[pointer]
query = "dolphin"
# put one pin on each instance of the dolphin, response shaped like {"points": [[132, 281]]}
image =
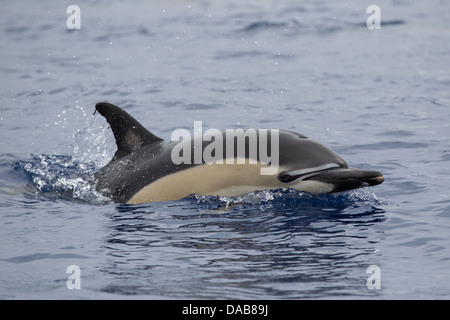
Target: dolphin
{"points": [[143, 168]]}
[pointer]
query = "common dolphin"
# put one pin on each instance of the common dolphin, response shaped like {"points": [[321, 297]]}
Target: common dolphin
{"points": [[143, 168]]}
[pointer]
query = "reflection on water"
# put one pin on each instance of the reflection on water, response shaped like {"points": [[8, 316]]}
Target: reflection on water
{"points": [[293, 246]]}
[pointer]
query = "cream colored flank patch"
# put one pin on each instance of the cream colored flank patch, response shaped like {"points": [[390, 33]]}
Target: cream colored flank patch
{"points": [[219, 180]]}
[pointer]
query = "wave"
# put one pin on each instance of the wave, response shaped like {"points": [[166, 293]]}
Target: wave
{"points": [[271, 25], [295, 27]]}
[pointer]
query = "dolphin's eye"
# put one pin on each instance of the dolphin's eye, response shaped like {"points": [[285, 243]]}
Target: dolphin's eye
{"points": [[284, 177]]}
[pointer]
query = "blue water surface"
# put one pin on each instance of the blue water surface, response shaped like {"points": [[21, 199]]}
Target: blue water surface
{"points": [[380, 98]]}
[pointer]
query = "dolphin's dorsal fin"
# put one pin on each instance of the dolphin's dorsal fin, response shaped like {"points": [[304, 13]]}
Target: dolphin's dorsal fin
{"points": [[130, 135]]}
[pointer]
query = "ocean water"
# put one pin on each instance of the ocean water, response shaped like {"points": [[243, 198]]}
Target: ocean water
{"points": [[380, 98]]}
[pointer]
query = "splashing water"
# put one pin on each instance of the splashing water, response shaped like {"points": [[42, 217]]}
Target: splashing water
{"points": [[70, 177], [289, 197], [58, 176]]}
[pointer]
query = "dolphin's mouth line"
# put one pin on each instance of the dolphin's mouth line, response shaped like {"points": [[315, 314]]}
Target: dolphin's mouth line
{"points": [[348, 178], [345, 174], [341, 178]]}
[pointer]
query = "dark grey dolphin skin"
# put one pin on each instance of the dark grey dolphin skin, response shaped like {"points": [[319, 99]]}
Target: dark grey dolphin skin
{"points": [[142, 169]]}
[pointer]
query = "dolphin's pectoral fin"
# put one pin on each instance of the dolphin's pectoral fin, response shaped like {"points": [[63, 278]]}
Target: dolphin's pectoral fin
{"points": [[130, 135]]}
